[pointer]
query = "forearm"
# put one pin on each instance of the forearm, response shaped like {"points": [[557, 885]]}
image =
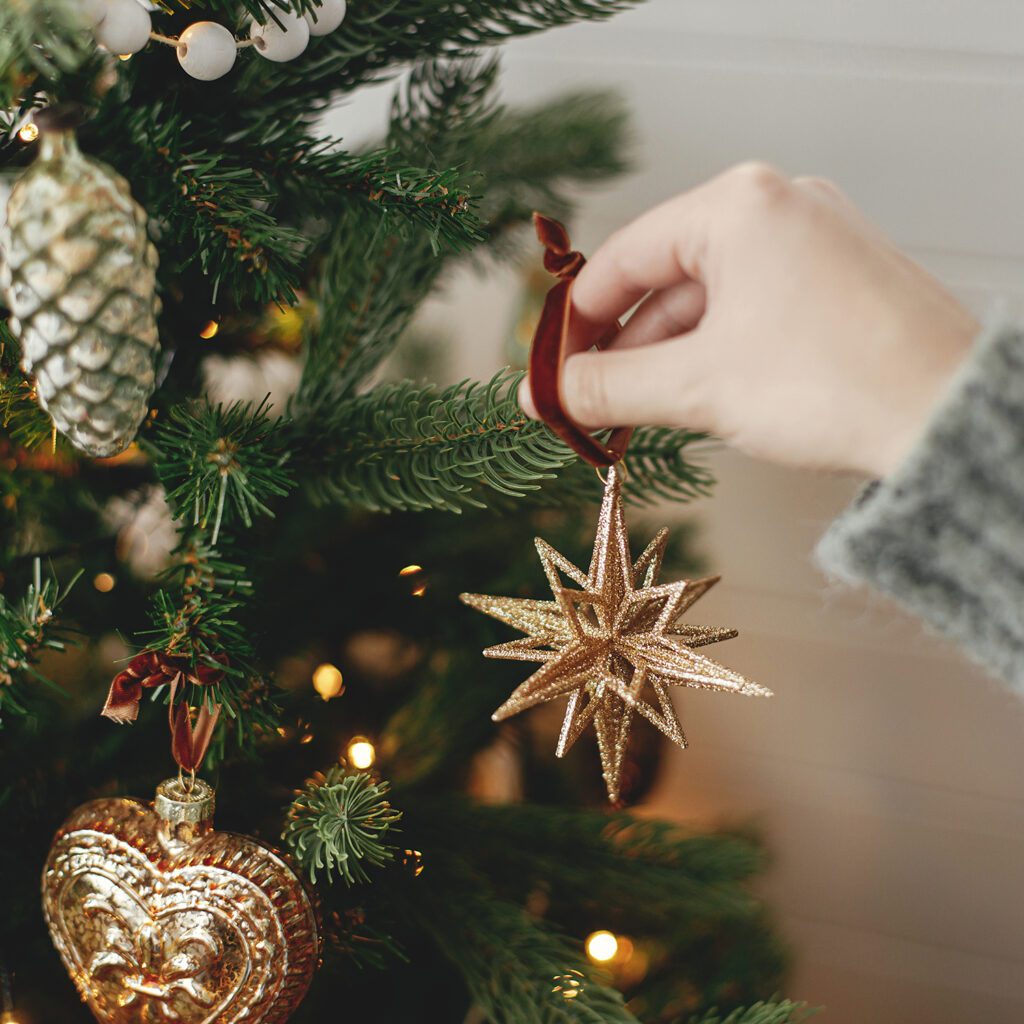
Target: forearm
{"points": [[944, 534]]}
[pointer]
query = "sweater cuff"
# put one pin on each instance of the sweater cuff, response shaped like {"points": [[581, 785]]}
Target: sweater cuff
{"points": [[944, 535]]}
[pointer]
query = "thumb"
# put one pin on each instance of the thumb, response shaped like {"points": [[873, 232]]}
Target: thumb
{"points": [[652, 385]]}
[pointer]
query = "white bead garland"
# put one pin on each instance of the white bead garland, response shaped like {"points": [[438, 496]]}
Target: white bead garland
{"points": [[207, 50], [329, 14], [124, 26], [281, 40]]}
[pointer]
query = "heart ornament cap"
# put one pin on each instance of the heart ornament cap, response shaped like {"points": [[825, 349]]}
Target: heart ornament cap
{"points": [[158, 917]]}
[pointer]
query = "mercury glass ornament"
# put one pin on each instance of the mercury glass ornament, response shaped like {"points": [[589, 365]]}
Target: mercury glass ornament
{"points": [[78, 272], [158, 917]]}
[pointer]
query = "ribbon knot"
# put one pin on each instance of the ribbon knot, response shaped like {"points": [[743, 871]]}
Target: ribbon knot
{"points": [[155, 668], [560, 259]]}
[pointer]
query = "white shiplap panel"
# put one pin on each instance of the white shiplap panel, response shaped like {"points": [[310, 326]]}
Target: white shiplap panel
{"points": [[935, 162], [949, 26]]}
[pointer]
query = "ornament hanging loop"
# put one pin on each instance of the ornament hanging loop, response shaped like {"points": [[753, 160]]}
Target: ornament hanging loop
{"points": [[550, 349]]}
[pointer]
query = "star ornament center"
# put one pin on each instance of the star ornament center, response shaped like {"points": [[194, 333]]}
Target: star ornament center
{"points": [[611, 641]]}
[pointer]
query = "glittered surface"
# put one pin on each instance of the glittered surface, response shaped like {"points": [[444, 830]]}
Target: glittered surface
{"points": [[611, 641]]}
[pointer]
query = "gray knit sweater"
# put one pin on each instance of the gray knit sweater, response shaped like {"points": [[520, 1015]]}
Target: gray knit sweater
{"points": [[944, 535]]}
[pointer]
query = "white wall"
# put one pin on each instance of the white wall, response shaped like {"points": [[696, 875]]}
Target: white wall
{"points": [[888, 775]]}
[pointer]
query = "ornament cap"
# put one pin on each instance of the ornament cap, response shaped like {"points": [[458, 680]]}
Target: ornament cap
{"points": [[185, 807], [61, 117]]}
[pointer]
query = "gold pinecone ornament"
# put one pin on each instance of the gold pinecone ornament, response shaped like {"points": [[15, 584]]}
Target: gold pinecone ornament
{"points": [[79, 276]]}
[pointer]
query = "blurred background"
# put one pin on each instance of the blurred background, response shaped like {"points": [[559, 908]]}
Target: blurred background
{"points": [[888, 774]]}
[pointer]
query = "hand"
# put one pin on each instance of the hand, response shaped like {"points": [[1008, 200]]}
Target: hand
{"points": [[775, 317]]}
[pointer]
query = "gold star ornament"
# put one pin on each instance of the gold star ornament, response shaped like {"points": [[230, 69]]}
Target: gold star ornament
{"points": [[612, 642]]}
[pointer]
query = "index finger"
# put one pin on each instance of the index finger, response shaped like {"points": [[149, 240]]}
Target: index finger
{"points": [[662, 247]]}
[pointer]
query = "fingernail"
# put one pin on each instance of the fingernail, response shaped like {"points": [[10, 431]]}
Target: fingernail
{"points": [[526, 399]]}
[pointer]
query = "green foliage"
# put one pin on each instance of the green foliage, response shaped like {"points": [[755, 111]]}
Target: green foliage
{"points": [[406, 446], [39, 39], [20, 415], [28, 627], [761, 1013], [380, 35], [339, 823], [217, 460], [517, 969]]}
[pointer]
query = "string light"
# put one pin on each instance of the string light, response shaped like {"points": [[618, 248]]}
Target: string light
{"points": [[328, 681], [210, 330], [361, 753], [411, 570], [602, 947], [28, 132], [104, 582]]}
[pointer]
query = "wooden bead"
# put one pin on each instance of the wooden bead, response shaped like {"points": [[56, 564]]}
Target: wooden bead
{"points": [[326, 16], [280, 42], [124, 27], [207, 50]]}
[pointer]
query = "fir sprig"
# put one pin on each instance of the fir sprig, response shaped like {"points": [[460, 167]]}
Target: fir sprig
{"points": [[339, 823], [517, 969], [407, 446], [379, 35], [784, 1012], [221, 463], [28, 627], [198, 615], [39, 39], [20, 414]]}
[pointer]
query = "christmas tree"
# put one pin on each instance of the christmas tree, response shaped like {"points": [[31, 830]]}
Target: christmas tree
{"points": [[291, 567]]}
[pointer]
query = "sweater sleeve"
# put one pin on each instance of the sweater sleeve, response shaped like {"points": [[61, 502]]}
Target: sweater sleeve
{"points": [[944, 535]]}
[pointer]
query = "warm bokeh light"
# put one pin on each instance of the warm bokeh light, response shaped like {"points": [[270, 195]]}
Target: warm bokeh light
{"points": [[210, 330], [420, 590], [104, 582], [29, 132], [411, 570], [361, 753], [602, 947], [328, 681]]}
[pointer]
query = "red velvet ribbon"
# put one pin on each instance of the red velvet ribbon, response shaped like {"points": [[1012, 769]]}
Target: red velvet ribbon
{"points": [[550, 350], [189, 743]]}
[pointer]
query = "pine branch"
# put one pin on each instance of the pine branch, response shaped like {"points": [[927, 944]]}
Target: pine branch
{"points": [[379, 35], [221, 463], [445, 113], [368, 296], [338, 824], [21, 416], [578, 139], [761, 1013], [197, 616], [28, 627], [215, 207], [518, 970], [436, 201], [408, 447], [40, 40]]}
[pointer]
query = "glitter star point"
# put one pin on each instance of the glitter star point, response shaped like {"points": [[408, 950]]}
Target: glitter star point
{"points": [[611, 641]]}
